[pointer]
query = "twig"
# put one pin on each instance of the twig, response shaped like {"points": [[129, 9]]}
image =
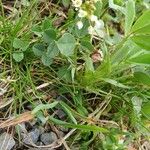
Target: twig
{"points": [[39, 87]]}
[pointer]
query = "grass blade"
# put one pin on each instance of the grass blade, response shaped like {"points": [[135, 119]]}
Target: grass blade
{"points": [[77, 126], [44, 106]]}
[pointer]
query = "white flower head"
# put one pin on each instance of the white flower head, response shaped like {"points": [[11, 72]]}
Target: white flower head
{"points": [[91, 30], [77, 3], [96, 32], [93, 18], [99, 24], [82, 13], [76, 9], [79, 25], [100, 33]]}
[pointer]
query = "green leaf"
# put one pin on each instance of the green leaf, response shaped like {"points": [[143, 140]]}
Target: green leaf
{"points": [[133, 49], [19, 44], [38, 49], [115, 83], [142, 22], [81, 33], [70, 115], [104, 69], [46, 60], [49, 35], [86, 45], [43, 107], [18, 56], [66, 3], [98, 10], [47, 24], [142, 77], [129, 15], [66, 44], [41, 117], [37, 30], [77, 126], [146, 110], [79, 115], [120, 54], [52, 50], [145, 30], [64, 73], [82, 110], [141, 59], [142, 40], [116, 7], [89, 64]]}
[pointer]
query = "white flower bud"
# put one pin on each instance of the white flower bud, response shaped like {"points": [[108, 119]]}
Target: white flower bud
{"points": [[93, 18], [99, 24], [79, 25], [91, 30], [96, 32]]}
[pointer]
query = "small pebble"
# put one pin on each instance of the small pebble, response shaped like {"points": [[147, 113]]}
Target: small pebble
{"points": [[6, 141], [48, 138], [31, 137], [60, 113], [42, 130], [39, 143]]}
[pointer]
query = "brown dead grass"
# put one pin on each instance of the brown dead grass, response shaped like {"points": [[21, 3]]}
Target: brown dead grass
{"points": [[27, 116]]}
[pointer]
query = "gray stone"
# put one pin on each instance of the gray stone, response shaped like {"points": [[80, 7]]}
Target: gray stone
{"points": [[42, 130], [60, 113], [39, 144], [40, 148], [6, 141], [48, 138], [31, 137]]}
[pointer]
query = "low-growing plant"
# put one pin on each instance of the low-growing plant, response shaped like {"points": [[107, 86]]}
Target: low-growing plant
{"points": [[98, 58], [94, 61]]}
